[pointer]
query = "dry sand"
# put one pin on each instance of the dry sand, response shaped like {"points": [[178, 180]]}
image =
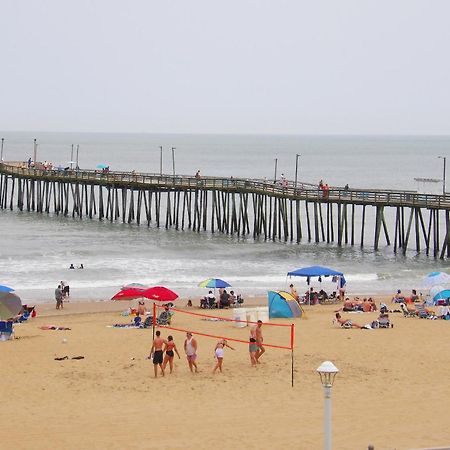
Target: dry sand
{"points": [[391, 390]]}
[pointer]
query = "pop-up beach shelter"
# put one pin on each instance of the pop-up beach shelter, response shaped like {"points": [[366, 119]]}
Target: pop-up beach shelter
{"points": [[319, 272], [315, 271], [282, 304]]}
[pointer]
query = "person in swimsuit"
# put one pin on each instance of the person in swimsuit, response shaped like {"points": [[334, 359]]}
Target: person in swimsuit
{"points": [[190, 347], [256, 333], [345, 322], [170, 349], [156, 353], [218, 354], [253, 348]]}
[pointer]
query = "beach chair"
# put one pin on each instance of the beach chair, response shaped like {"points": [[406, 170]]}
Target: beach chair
{"points": [[383, 321], [422, 313], [6, 330], [407, 312], [164, 318]]}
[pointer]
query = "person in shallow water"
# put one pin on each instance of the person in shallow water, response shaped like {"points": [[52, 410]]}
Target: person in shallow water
{"points": [[72, 266]]}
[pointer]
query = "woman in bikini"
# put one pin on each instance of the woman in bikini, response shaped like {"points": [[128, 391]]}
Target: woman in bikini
{"points": [[170, 350], [219, 353]]}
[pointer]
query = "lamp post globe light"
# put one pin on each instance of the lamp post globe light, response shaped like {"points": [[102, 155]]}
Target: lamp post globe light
{"points": [[327, 371]]}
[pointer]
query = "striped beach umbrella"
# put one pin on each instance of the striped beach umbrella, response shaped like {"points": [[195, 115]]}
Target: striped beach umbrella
{"points": [[214, 283]]}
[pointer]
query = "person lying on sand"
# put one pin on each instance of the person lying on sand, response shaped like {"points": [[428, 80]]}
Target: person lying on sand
{"points": [[53, 327], [345, 322]]}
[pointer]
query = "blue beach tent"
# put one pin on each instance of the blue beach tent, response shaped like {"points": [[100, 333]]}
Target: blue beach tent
{"points": [[282, 304]]}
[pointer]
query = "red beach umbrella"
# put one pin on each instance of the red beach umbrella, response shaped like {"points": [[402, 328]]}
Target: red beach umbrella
{"points": [[128, 294], [159, 294]]}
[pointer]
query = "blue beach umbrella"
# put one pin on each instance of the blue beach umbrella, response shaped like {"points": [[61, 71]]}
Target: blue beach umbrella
{"points": [[214, 283], [5, 288], [102, 166]]}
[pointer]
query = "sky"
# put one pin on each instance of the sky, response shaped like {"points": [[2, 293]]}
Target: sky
{"points": [[244, 66]]}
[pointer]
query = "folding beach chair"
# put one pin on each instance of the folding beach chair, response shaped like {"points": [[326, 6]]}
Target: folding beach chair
{"points": [[6, 330], [422, 312]]}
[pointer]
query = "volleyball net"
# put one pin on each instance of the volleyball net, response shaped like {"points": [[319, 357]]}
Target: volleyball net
{"points": [[281, 335]]}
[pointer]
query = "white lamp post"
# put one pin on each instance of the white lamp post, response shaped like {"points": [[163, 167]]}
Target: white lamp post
{"points": [[327, 371], [443, 175], [296, 169]]}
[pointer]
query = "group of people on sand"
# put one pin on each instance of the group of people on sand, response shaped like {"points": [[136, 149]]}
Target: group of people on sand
{"points": [[365, 305], [401, 298], [163, 351]]}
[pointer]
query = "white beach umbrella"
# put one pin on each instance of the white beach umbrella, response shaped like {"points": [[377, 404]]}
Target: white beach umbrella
{"points": [[434, 290], [435, 278]]}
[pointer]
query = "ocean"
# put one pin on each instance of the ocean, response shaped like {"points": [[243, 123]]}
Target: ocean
{"points": [[37, 250]]}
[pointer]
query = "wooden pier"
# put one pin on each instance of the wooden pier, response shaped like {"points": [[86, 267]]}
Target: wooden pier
{"points": [[403, 220]]}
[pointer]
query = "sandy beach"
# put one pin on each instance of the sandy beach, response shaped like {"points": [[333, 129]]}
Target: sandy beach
{"points": [[391, 390]]}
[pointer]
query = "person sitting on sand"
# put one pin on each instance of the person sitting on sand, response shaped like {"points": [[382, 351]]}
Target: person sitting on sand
{"points": [[366, 306], [346, 323], [373, 305], [398, 297]]}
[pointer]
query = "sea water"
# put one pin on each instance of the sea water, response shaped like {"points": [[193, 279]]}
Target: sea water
{"points": [[36, 250]]}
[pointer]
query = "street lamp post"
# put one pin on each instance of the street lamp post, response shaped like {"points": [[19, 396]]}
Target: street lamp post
{"points": [[327, 371], [71, 158], [1, 154], [275, 174], [443, 175], [296, 169], [34, 152], [173, 160], [77, 167], [160, 159]]}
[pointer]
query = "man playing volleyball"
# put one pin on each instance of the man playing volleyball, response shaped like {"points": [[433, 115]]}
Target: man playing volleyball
{"points": [[157, 353], [256, 333], [190, 347]]}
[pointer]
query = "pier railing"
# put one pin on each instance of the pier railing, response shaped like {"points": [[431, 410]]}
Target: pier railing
{"points": [[300, 191]]}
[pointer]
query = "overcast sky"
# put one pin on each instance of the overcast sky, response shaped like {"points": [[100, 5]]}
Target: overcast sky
{"points": [[244, 66]]}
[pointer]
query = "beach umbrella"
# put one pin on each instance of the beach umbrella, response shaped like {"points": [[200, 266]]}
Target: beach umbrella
{"points": [[434, 278], [10, 305], [443, 295], [160, 294], [4, 288], [102, 166], [214, 283], [128, 294], [435, 290]]}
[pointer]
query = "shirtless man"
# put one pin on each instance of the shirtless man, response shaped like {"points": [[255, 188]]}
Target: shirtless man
{"points": [[156, 353], [256, 333]]}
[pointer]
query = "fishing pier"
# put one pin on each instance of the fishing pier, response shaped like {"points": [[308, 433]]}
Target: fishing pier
{"points": [[261, 209]]}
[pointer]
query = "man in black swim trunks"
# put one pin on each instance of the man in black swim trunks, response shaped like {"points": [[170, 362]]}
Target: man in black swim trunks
{"points": [[156, 353]]}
